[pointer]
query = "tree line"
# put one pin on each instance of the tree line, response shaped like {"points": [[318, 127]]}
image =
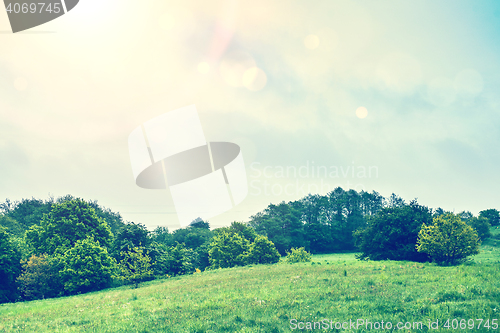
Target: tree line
{"points": [[68, 246]]}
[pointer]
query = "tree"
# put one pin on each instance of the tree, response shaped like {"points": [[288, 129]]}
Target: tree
{"points": [[135, 266], [242, 229], [281, 224], [228, 250], [173, 260], [39, 279], [27, 212], [129, 236], [11, 226], [262, 251], [392, 233], [66, 224], [481, 225], [449, 240], [86, 267], [10, 267], [492, 215]]}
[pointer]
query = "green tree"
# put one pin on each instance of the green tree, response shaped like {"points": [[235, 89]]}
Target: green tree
{"points": [[12, 226], [129, 236], [262, 251], [392, 233], [449, 240], [10, 267], [86, 267], [173, 260], [492, 215], [481, 225], [39, 279], [228, 250], [298, 255], [66, 224], [135, 267]]}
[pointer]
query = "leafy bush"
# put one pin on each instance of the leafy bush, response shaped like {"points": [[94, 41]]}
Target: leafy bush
{"points": [[262, 251], [228, 250], [86, 267], [173, 260], [449, 240], [135, 266], [298, 255], [392, 233], [39, 279]]}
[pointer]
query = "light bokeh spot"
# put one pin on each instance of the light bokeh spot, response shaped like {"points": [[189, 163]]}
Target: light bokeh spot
{"points": [[361, 112], [311, 42], [203, 67], [20, 83], [254, 79], [234, 66]]}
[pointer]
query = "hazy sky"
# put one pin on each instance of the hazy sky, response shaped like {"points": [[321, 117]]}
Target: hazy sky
{"points": [[390, 96]]}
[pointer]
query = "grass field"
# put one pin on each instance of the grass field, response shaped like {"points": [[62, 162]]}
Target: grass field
{"points": [[266, 298]]}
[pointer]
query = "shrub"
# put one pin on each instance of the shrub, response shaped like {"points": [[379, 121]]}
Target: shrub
{"points": [[86, 267], [39, 279], [228, 250], [392, 233], [262, 251], [449, 240], [298, 255], [173, 260], [135, 267]]}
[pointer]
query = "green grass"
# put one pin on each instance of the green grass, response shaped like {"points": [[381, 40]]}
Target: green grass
{"points": [[264, 298]]}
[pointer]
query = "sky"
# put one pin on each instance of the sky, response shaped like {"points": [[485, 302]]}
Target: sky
{"points": [[396, 97]]}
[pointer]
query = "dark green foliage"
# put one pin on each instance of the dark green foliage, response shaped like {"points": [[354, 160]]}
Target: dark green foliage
{"points": [[135, 267], [66, 224], [200, 224], [173, 260], [298, 255], [321, 224], [161, 235], [86, 267], [392, 233], [11, 226], [481, 225], [10, 267], [492, 215], [202, 257], [27, 212], [39, 278], [281, 224], [262, 251], [228, 250], [129, 236], [192, 237]]}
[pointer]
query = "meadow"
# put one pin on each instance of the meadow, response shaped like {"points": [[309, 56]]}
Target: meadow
{"points": [[276, 298]]}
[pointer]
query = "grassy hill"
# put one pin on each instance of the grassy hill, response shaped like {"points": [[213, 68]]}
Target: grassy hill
{"points": [[266, 298]]}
